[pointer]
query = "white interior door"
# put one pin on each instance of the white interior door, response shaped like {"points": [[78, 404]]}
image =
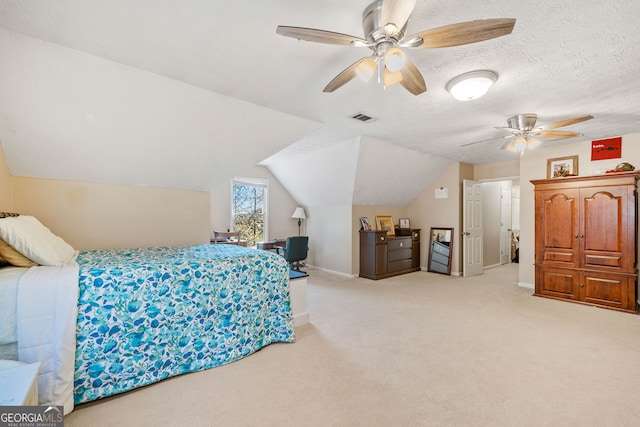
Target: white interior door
{"points": [[505, 225], [471, 228]]}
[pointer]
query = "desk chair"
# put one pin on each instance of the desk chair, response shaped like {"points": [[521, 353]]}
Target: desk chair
{"points": [[296, 250], [228, 237]]}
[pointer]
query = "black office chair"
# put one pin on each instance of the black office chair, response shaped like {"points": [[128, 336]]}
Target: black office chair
{"points": [[296, 250]]}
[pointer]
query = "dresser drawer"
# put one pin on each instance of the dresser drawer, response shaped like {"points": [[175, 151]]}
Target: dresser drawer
{"points": [[399, 265], [399, 243], [399, 254]]}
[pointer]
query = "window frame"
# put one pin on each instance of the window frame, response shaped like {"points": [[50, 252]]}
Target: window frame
{"points": [[256, 182]]}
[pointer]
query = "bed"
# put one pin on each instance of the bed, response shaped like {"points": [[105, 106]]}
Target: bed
{"points": [[109, 321]]}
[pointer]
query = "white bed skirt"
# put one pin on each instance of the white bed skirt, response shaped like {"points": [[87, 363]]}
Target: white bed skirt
{"points": [[46, 322]]}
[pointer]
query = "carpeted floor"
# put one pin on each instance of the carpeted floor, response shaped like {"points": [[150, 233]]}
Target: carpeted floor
{"points": [[421, 349]]}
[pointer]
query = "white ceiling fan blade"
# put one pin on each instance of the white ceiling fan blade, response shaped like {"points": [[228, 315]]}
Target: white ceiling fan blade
{"points": [[320, 36], [397, 12]]}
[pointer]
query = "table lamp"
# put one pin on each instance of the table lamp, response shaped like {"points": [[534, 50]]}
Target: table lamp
{"points": [[299, 215]]}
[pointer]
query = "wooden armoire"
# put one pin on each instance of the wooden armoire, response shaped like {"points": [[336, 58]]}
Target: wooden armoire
{"points": [[586, 242]]}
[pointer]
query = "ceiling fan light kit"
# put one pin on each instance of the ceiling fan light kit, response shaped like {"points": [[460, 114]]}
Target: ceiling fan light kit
{"points": [[520, 144], [471, 85], [384, 23]]}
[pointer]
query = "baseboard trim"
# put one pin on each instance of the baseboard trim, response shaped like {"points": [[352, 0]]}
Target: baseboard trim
{"points": [[492, 266], [301, 319], [526, 285], [337, 273]]}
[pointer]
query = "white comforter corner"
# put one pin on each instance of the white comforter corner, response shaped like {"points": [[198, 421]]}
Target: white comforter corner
{"points": [[47, 315]]}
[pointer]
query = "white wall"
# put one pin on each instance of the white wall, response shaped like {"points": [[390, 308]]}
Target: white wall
{"points": [[69, 115], [6, 204], [330, 243], [426, 211], [533, 165]]}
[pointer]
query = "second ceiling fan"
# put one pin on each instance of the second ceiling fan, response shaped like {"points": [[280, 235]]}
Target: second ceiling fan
{"points": [[384, 23], [522, 129]]}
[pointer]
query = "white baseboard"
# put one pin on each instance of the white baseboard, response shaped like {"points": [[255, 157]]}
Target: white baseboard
{"points": [[301, 319], [526, 285], [492, 266], [337, 273]]}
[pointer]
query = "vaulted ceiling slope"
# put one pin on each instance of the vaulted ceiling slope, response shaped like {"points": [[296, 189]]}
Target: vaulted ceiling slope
{"points": [[386, 175], [69, 115], [187, 93]]}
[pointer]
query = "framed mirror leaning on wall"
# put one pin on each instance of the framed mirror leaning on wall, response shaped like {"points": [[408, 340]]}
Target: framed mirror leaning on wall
{"points": [[440, 243]]}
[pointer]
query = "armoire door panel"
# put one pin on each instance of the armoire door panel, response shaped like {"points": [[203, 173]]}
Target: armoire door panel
{"points": [[562, 257], [599, 260], [559, 228], [602, 232], [557, 283], [606, 289]]}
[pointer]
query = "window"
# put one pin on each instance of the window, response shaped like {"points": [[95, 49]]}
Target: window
{"points": [[249, 209]]}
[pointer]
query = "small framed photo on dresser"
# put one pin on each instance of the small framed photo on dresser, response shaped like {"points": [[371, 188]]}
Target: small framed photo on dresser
{"points": [[364, 223], [404, 223]]}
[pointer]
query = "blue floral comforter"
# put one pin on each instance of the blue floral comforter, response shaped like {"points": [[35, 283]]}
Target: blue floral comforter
{"points": [[150, 313]]}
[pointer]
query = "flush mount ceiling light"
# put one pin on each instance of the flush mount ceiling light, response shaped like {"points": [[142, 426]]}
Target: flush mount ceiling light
{"points": [[471, 85]]}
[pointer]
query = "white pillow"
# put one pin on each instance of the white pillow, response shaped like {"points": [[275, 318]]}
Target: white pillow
{"points": [[35, 241]]}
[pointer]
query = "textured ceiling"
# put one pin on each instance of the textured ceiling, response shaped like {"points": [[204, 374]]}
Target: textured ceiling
{"points": [[564, 59]]}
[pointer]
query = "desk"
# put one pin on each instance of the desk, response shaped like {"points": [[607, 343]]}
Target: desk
{"points": [[230, 242], [271, 244]]}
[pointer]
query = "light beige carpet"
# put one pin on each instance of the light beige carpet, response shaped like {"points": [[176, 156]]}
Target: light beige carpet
{"points": [[421, 349]]}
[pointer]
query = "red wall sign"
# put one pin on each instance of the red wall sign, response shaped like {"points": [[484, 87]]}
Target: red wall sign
{"points": [[606, 149]]}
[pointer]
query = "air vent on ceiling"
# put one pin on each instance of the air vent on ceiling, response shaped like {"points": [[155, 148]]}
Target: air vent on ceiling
{"points": [[363, 118]]}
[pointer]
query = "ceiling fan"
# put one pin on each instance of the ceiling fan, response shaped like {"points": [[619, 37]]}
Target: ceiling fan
{"points": [[522, 130], [384, 23]]}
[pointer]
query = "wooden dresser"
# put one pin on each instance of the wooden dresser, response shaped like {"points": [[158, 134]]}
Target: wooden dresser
{"points": [[384, 256], [586, 239]]}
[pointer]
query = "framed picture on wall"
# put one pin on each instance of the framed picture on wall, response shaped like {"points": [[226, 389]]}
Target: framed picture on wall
{"points": [[562, 166], [385, 223]]}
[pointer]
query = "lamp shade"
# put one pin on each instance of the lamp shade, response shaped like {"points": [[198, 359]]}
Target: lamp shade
{"points": [[472, 85], [299, 213], [394, 59], [391, 78], [366, 69]]}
